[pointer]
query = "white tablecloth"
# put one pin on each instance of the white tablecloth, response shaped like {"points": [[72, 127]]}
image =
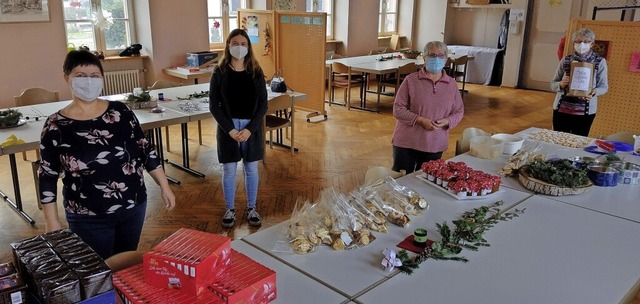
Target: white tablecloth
{"points": [[480, 69]]}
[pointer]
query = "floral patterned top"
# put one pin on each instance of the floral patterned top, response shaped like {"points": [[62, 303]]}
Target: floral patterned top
{"points": [[100, 161]]}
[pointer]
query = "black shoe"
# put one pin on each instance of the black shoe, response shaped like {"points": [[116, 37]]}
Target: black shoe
{"points": [[253, 217], [229, 218]]}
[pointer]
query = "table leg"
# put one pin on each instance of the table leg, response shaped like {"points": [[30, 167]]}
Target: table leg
{"points": [[160, 151], [185, 153], [17, 205]]}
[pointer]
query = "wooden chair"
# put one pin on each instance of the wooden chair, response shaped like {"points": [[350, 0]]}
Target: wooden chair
{"points": [[379, 51], [396, 78], [394, 43], [622, 136], [163, 84], [280, 115], [374, 174], [33, 96], [464, 143], [124, 260], [343, 77], [459, 70]]}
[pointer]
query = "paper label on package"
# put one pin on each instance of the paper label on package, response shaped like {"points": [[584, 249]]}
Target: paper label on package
{"points": [[16, 298], [580, 79], [346, 238]]}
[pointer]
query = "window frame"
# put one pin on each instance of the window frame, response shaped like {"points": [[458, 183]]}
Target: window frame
{"points": [[330, 16], [382, 14], [225, 9], [99, 36]]}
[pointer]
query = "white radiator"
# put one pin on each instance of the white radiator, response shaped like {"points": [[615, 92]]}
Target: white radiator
{"points": [[119, 82]]}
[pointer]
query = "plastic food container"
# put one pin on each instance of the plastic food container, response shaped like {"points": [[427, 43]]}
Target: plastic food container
{"points": [[486, 147], [629, 173], [512, 143], [604, 176]]}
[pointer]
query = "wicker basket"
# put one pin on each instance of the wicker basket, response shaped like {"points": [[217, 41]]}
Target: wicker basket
{"points": [[142, 104], [539, 186], [477, 2]]}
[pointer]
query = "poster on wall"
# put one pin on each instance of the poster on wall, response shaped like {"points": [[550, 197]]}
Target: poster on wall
{"points": [[601, 47], [24, 11], [253, 29], [634, 65]]}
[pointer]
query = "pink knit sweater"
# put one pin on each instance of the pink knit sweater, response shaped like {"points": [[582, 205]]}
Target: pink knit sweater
{"points": [[419, 96]]}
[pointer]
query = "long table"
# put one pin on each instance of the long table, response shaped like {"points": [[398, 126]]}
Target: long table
{"points": [[569, 249], [378, 65], [553, 253], [354, 272]]}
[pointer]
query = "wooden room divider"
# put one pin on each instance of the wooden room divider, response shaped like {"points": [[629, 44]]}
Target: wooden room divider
{"points": [[619, 109], [295, 43]]}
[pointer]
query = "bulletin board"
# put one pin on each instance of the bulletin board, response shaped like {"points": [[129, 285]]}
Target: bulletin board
{"points": [[293, 42], [619, 109], [301, 49], [260, 26]]}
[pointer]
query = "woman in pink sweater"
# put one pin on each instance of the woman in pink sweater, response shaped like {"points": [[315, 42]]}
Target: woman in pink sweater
{"points": [[427, 105]]}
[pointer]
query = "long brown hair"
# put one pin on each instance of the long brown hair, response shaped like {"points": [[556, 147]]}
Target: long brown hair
{"points": [[251, 65]]}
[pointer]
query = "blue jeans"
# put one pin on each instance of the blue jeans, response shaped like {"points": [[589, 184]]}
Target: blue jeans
{"points": [[109, 234], [251, 178]]}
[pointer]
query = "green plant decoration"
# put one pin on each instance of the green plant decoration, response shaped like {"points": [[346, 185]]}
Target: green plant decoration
{"points": [[467, 233]]}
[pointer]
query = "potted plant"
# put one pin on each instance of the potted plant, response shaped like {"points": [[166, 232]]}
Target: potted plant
{"points": [[9, 118], [140, 99], [411, 54]]}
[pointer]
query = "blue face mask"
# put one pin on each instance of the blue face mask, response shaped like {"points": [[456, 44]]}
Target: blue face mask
{"points": [[435, 65]]}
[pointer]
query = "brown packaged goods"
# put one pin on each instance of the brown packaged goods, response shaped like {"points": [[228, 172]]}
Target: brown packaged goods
{"points": [[63, 288], [12, 289], [7, 269], [581, 79]]}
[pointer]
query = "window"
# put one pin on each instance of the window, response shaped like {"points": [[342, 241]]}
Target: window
{"points": [[388, 17], [324, 6], [223, 18], [103, 25]]}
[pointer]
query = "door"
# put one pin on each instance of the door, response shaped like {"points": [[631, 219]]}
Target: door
{"points": [[547, 24]]}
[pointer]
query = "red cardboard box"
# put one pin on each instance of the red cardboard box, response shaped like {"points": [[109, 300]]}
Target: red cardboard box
{"points": [[132, 289], [187, 260], [245, 281]]}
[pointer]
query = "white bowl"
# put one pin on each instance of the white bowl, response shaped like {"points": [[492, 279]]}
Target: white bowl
{"points": [[512, 143]]}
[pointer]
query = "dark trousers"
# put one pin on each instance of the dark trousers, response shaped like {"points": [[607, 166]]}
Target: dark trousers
{"points": [[574, 124], [109, 234], [411, 160]]}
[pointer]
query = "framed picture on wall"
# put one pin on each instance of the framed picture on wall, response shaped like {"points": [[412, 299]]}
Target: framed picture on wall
{"points": [[24, 11]]}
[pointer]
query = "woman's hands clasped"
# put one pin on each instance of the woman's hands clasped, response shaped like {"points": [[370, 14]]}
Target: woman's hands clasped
{"points": [[432, 125], [240, 136]]}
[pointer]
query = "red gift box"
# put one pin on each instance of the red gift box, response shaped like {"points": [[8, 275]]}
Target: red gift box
{"points": [[245, 281], [132, 289], [187, 260]]}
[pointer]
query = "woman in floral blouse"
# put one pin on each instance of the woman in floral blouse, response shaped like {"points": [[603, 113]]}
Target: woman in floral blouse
{"points": [[99, 150]]}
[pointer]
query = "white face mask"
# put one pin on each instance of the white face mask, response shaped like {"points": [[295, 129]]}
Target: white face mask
{"points": [[86, 88], [238, 51], [582, 47]]}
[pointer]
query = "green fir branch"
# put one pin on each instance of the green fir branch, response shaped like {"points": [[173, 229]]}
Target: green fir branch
{"points": [[467, 233]]}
